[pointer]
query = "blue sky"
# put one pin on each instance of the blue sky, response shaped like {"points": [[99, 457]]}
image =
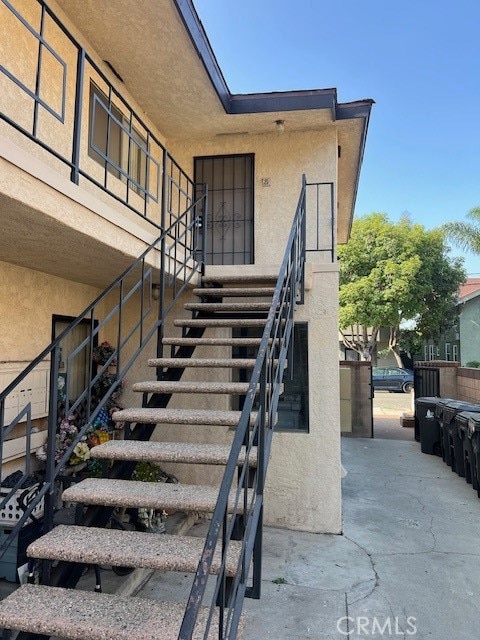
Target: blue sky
{"points": [[419, 60]]}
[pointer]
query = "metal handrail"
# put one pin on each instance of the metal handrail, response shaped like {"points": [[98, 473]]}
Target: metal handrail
{"points": [[137, 280], [246, 514]]}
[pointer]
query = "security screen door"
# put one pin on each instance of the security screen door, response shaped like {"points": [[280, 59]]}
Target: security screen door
{"points": [[229, 225]]}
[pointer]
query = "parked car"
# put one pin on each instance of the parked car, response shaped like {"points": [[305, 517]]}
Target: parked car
{"points": [[392, 379]]}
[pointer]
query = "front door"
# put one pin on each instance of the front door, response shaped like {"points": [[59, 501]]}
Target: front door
{"points": [[229, 226]]}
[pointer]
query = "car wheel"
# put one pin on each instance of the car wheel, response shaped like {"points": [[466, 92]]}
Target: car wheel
{"points": [[407, 387]]}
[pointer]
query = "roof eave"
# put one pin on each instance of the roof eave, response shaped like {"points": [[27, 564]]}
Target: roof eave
{"points": [[261, 102]]}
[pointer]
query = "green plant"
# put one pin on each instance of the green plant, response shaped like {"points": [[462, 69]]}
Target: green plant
{"points": [[474, 364], [151, 472], [279, 581]]}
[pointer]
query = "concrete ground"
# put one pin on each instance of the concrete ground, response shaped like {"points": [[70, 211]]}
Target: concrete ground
{"points": [[406, 566], [408, 563], [387, 409]]}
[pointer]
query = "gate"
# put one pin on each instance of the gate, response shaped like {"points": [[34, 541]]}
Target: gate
{"points": [[426, 382]]}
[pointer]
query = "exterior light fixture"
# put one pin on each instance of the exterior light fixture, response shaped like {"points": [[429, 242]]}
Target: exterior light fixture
{"points": [[280, 126]]}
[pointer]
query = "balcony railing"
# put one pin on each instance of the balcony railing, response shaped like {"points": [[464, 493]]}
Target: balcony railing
{"points": [[54, 93]]}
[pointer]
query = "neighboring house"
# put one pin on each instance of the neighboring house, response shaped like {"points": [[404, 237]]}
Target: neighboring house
{"points": [[445, 347], [112, 119], [462, 343], [469, 322]]}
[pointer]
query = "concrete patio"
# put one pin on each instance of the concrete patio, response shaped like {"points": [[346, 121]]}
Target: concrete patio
{"points": [[408, 564]]}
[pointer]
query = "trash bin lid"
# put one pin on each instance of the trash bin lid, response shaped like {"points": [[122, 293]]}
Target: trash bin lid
{"points": [[453, 407], [441, 402], [473, 421], [463, 416], [427, 400]]}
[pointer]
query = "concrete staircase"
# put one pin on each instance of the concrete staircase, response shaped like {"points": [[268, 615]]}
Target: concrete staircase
{"points": [[79, 615]]}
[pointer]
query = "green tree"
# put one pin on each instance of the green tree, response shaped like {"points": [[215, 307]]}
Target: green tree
{"points": [[465, 235], [393, 275]]}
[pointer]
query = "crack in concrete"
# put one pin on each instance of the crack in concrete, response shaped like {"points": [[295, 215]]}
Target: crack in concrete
{"points": [[423, 507], [373, 568]]}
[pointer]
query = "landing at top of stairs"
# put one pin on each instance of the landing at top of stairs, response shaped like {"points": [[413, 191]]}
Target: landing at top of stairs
{"points": [[245, 273]]}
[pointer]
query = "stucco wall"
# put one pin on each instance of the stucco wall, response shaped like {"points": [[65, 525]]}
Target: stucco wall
{"points": [[280, 158], [303, 483], [27, 301], [303, 490]]}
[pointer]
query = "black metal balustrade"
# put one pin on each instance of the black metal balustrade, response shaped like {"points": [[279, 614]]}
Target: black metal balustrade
{"points": [[321, 223], [245, 522], [132, 310], [71, 110]]}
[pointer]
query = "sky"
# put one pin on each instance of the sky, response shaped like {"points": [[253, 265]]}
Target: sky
{"points": [[418, 59]]}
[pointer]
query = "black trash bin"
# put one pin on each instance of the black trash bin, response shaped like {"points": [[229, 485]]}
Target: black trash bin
{"points": [[427, 425], [474, 438], [463, 429], [441, 402], [453, 444]]}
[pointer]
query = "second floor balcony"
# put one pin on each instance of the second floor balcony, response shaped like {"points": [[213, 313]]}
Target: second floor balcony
{"points": [[88, 181]]}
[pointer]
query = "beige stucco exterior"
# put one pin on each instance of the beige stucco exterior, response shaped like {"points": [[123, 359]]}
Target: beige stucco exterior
{"points": [[62, 243]]}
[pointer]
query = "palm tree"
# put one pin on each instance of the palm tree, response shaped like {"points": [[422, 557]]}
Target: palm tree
{"points": [[466, 235]]}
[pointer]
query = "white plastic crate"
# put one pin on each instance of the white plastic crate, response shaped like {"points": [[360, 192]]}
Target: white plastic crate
{"points": [[11, 513]]}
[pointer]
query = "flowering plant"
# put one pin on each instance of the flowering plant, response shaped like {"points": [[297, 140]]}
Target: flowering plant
{"points": [[66, 434], [81, 453]]}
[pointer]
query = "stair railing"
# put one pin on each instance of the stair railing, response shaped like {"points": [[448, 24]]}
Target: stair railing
{"points": [[239, 510], [129, 310]]}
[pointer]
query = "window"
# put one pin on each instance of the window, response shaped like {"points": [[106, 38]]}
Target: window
{"points": [[115, 144], [438, 352], [455, 353], [351, 355], [447, 351], [293, 403], [431, 352], [425, 352]]}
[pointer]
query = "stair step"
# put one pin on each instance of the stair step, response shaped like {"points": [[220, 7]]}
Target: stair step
{"points": [[242, 277], [151, 495], [91, 545], [234, 388], [180, 416], [220, 322], [226, 342], [210, 363], [224, 292], [185, 452], [244, 307], [77, 615]]}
